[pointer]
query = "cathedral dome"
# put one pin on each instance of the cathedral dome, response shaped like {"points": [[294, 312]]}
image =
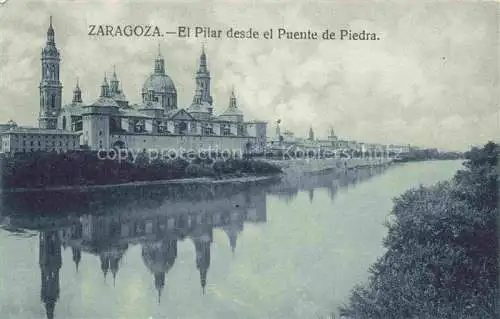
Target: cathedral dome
{"points": [[159, 83]]}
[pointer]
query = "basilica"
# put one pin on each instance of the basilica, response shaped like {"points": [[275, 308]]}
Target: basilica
{"points": [[111, 121]]}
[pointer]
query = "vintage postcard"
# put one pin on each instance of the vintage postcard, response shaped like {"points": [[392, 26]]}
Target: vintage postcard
{"points": [[249, 159]]}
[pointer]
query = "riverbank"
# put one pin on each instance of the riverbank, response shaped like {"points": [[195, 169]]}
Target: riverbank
{"points": [[83, 171], [52, 171], [196, 180], [441, 257]]}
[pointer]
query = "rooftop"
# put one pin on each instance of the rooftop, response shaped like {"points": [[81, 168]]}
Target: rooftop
{"points": [[36, 130], [132, 113], [105, 101]]}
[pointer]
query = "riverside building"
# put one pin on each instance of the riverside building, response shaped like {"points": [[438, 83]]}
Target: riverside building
{"points": [[156, 122], [287, 142], [111, 121]]}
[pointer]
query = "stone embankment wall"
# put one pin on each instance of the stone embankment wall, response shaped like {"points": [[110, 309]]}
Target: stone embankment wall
{"points": [[317, 165]]}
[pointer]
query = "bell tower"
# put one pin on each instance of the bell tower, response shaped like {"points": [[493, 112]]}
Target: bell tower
{"points": [[50, 85], [203, 78]]}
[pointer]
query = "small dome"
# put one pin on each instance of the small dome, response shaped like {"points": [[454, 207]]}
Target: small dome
{"points": [[159, 83], [232, 111]]}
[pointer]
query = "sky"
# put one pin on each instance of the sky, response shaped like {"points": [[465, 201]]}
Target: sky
{"points": [[430, 81]]}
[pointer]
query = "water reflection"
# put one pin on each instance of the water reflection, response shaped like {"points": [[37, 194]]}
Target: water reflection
{"points": [[156, 228], [331, 181], [106, 223], [50, 264]]}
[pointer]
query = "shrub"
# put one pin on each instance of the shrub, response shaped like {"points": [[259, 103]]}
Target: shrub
{"points": [[86, 168], [441, 259], [196, 170]]}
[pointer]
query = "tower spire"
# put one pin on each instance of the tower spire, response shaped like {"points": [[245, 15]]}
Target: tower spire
{"points": [[114, 83], [159, 284], [311, 133], [77, 93], [50, 261], [232, 100], [278, 130], [50, 86], [105, 87], [159, 62], [203, 77], [203, 60], [203, 279], [50, 32], [77, 256]]}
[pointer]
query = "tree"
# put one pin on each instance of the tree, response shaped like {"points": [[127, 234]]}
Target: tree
{"points": [[441, 259]]}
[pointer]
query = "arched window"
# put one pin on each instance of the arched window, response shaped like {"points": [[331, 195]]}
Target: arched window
{"points": [[53, 100], [64, 123]]}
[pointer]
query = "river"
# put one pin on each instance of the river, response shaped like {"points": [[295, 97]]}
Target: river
{"points": [[284, 249]]}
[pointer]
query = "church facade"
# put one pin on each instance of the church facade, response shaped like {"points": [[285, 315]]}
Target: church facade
{"points": [[157, 122]]}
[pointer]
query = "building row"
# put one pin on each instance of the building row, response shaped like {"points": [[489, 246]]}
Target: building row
{"points": [[286, 141], [112, 121]]}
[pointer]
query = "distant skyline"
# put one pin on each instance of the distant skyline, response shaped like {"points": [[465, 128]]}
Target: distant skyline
{"points": [[431, 81]]}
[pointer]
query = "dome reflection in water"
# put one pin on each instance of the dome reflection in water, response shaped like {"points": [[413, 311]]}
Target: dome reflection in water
{"points": [[205, 242]]}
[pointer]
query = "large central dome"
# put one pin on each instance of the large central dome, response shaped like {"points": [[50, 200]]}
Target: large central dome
{"points": [[159, 87], [159, 83]]}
